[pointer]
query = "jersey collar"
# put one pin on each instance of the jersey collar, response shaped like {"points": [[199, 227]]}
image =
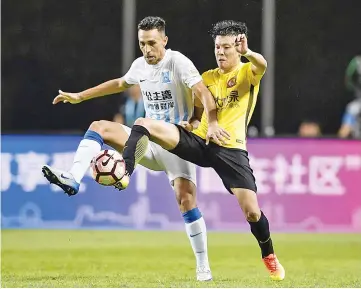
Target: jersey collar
{"points": [[233, 70]]}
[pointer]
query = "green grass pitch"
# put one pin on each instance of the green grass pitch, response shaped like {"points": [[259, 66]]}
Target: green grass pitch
{"points": [[71, 258]]}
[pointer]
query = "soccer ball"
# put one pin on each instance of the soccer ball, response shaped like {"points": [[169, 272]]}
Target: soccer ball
{"points": [[108, 167]]}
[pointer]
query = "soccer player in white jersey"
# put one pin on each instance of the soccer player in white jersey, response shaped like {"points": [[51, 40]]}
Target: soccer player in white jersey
{"points": [[168, 80]]}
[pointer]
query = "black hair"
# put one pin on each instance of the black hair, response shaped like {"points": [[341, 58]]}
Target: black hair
{"points": [[228, 28], [152, 22]]}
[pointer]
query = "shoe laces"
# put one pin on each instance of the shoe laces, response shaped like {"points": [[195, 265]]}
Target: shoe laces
{"points": [[203, 269], [271, 263]]}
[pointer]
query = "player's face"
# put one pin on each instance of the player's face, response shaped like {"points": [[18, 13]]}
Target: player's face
{"points": [[152, 43], [226, 53]]}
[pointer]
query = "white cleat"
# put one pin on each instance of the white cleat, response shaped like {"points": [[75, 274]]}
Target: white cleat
{"points": [[62, 179], [203, 274]]}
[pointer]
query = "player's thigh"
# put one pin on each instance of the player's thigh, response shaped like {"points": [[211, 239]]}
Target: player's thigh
{"points": [[163, 133], [174, 166], [191, 148], [181, 175], [232, 165]]}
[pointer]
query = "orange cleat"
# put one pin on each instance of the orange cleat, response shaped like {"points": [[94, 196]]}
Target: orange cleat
{"points": [[274, 267]]}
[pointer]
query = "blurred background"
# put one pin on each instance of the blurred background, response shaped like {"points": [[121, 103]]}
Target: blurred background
{"points": [[71, 45], [305, 134]]}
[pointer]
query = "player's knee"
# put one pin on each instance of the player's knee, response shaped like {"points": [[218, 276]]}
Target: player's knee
{"points": [[252, 215], [141, 121], [186, 203], [95, 126], [99, 126], [146, 123], [185, 195]]}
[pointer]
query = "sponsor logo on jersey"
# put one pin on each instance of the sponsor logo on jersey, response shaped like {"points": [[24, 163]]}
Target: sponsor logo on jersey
{"points": [[232, 82], [166, 77]]}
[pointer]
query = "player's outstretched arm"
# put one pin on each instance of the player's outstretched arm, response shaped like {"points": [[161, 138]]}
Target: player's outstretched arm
{"points": [[215, 132], [259, 63], [106, 88]]}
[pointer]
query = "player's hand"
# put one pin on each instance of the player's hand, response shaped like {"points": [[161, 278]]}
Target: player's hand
{"points": [[186, 125], [217, 134], [241, 44], [65, 97]]}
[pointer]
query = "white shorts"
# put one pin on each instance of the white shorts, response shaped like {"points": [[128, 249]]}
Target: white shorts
{"points": [[157, 158]]}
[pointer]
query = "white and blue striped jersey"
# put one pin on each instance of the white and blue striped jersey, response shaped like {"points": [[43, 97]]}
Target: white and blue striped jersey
{"points": [[166, 86]]}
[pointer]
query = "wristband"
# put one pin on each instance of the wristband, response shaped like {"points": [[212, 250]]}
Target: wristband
{"points": [[248, 53]]}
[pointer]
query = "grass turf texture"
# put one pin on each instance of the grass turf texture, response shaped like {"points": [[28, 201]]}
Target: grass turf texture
{"points": [[70, 258]]}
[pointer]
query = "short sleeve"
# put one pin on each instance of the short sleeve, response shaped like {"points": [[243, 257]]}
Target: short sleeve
{"points": [[131, 76], [186, 70]]}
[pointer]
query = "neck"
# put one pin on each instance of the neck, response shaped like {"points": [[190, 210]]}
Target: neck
{"points": [[161, 56], [227, 70]]}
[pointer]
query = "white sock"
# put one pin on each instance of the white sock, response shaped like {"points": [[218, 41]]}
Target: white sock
{"points": [[197, 234], [86, 151]]}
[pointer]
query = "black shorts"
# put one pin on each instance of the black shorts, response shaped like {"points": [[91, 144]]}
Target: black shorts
{"points": [[231, 164]]}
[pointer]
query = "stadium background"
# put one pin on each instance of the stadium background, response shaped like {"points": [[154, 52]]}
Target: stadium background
{"points": [[305, 185]]}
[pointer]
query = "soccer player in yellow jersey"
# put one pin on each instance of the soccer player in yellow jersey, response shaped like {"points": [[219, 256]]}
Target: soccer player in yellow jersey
{"points": [[234, 86]]}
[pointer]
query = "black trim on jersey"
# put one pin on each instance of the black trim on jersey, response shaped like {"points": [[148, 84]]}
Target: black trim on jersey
{"points": [[249, 106]]}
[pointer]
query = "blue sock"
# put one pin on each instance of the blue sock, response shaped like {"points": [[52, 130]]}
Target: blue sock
{"points": [[88, 148], [93, 135], [192, 215]]}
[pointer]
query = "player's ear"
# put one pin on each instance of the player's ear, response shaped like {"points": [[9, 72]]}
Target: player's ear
{"points": [[165, 41]]}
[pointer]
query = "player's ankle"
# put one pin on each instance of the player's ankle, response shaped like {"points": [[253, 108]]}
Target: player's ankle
{"points": [[203, 265]]}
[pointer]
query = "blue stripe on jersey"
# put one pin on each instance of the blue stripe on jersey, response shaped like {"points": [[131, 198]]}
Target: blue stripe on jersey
{"points": [[175, 120], [186, 110], [158, 116], [176, 111], [167, 116]]}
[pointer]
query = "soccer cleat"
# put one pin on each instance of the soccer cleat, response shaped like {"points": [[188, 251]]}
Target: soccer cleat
{"points": [[62, 179], [123, 183], [274, 267], [203, 273]]}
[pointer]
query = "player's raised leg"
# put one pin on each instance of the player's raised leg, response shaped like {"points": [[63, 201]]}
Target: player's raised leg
{"points": [[99, 132], [145, 129], [258, 222]]}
